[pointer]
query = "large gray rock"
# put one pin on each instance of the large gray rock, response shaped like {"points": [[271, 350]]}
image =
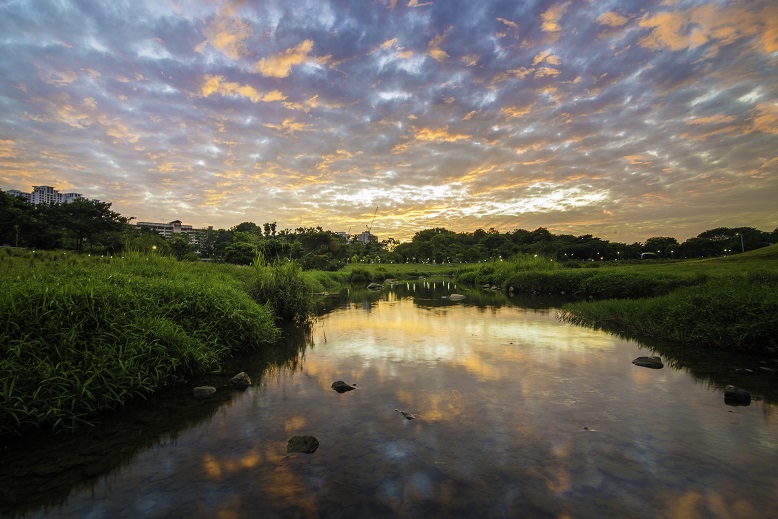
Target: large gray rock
{"points": [[736, 396], [375, 286], [456, 297], [341, 387], [239, 381], [649, 362], [305, 444]]}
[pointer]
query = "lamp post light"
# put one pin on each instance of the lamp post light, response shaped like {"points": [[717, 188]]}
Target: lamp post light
{"points": [[742, 245]]}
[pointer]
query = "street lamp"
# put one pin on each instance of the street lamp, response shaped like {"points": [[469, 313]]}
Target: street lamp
{"points": [[742, 245]]}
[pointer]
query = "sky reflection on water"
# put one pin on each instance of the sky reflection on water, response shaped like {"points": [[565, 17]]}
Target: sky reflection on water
{"points": [[519, 415]]}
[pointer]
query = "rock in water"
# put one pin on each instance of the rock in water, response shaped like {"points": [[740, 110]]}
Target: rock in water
{"points": [[239, 381], [407, 415], [203, 391], [736, 396], [649, 362], [341, 387], [304, 444], [456, 297]]}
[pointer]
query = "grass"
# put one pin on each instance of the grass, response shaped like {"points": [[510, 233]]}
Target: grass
{"points": [[738, 312], [81, 335], [721, 303], [375, 272]]}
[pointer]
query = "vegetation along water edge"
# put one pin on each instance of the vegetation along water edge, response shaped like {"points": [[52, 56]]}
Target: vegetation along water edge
{"points": [[81, 335], [85, 334], [721, 303]]}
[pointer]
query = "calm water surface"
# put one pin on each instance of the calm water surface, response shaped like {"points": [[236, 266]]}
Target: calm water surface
{"points": [[518, 415]]}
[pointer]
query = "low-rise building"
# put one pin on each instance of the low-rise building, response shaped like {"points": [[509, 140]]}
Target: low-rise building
{"points": [[174, 228]]}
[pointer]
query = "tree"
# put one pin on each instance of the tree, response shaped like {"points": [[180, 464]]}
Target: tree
{"points": [[240, 253], [662, 245], [88, 221], [180, 247]]}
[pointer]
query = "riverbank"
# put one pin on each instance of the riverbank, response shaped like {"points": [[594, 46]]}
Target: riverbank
{"points": [[720, 303], [82, 335]]}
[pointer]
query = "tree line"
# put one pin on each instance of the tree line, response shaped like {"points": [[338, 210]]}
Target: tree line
{"points": [[91, 226]]}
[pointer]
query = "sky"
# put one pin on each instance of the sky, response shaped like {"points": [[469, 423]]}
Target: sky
{"points": [[621, 119]]}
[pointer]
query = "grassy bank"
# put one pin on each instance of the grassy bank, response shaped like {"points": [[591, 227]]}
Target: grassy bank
{"points": [[724, 303], [81, 335]]}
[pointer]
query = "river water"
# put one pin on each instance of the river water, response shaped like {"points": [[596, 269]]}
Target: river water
{"points": [[516, 414]]}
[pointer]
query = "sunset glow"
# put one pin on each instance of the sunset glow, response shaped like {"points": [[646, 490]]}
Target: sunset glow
{"points": [[624, 120]]}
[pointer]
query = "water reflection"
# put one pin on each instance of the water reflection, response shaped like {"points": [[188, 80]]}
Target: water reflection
{"points": [[518, 415], [40, 472]]}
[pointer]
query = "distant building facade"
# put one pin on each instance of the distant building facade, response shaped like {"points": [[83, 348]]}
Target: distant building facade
{"points": [[46, 195], [366, 237], [174, 228]]}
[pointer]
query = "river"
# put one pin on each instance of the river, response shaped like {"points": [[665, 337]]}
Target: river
{"points": [[515, 414]]}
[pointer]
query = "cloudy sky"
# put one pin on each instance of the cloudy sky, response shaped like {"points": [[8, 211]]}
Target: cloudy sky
{"points": [[622, 119]]}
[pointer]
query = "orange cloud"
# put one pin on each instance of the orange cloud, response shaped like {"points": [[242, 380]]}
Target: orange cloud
{"points": [[289, 126], [715, 24], [767, 119], [612, 19], [508, 23], [546, 72], [227, 35], [7, 149], [213, 84], [638, 160], [713, 119], [434, 50], [539, 58], [516, 111], [281, 64], [551, 17], [439, 135]]}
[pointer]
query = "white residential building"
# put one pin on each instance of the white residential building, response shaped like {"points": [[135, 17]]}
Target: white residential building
{"points": [[46, 195], [366, 237], [174, 228]]}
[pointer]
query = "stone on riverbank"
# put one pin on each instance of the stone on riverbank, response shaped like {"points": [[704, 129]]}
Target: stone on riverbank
{"points": [[203, 391], [649, 362], [375, 286], [736, 396], [304, 444], [239, 381]]}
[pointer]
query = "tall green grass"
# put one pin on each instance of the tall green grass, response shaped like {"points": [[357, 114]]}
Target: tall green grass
{"points": [[738, 312], [82, 335]]}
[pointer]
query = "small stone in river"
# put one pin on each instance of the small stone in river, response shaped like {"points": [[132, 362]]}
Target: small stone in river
{"points": [[341, 387], [304, 444], [736, 396], [649, 362], [239, 381], [203, 391], [407, 415]]}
